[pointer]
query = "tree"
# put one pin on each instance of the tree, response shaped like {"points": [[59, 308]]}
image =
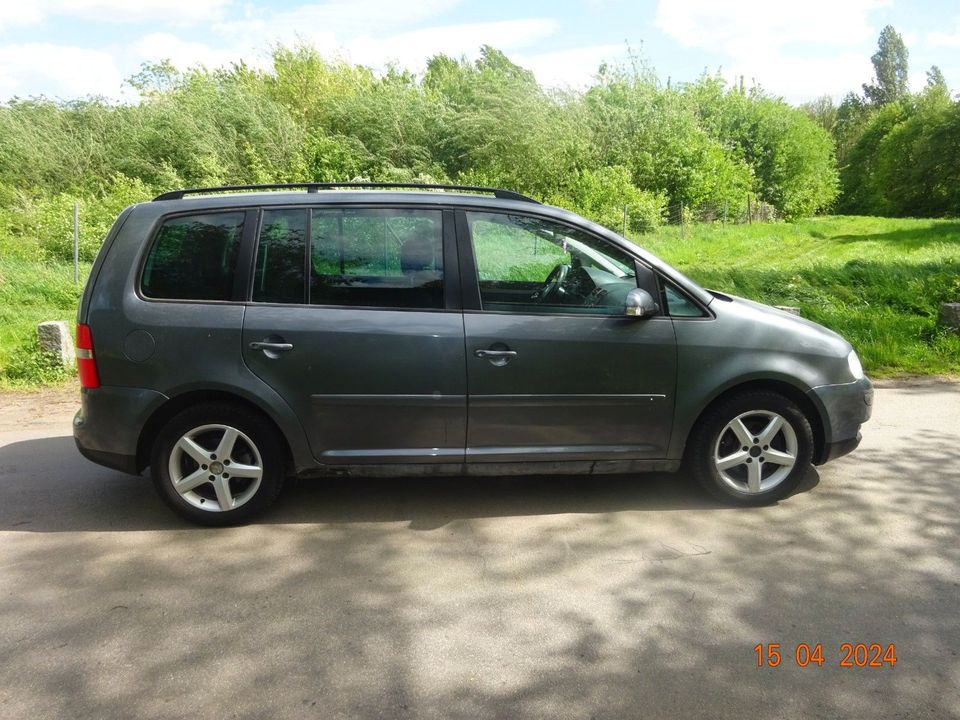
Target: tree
{"points": [[936, 80], [890, 68]]}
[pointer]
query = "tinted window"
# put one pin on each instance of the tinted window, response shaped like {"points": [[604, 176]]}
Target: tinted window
{"points": [[281, 257], [194, 258], [377, 258], [527, 264]]}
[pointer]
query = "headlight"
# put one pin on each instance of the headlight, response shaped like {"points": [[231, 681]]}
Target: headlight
{"points": [[856, 369]]}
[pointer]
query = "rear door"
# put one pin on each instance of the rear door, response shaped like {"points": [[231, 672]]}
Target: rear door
{"points": [[353, 320], [555, 370]]}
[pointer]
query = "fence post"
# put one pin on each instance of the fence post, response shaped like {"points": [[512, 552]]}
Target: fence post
{"points": [[749, 212], [724, 212], [681, 219], [76, 243], [624, 233]]}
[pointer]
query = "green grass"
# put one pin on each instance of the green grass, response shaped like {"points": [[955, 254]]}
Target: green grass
{"points": [[878, 282], [31, 292]]}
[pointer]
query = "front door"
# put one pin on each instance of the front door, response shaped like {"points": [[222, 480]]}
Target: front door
{"points": [[350, 320], [555, 370]]}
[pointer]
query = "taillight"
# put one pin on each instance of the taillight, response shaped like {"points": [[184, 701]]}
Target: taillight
{"points": [[86, 364]]}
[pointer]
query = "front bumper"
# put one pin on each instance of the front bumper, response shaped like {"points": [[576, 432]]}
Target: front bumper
{"points": [[845, 407], [107, 426]]}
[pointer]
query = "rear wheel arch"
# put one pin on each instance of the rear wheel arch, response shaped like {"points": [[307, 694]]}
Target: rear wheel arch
{"points": [[162, 415]]}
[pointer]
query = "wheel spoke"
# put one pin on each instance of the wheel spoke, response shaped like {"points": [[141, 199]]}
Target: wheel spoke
{"points": [[225, 448], [191, 448], [244, 471], [753, 476], [778, 457], [191, 481], [770, 431], [224, 496], [740, 430], [737, 458]]}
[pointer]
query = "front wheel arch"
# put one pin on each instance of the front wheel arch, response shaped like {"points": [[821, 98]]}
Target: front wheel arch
{"points": [[791, 392]]}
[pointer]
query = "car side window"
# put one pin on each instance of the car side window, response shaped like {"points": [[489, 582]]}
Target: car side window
{"points": [[531, 265], [194, 257], [281, 257], [382, 257], [678, 304]]}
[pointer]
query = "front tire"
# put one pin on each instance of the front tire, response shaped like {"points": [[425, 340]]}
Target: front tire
{"points": [[751, 449], [218, 464]]}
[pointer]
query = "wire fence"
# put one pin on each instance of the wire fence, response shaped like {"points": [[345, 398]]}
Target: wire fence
{"points": [[742, 212]]}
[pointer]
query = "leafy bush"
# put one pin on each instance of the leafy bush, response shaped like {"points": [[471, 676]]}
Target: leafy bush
{"points": [[42, 227], [608, 197]]}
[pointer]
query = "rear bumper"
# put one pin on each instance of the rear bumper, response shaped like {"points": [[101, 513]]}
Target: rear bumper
{"points": [[107, 426], [845, 408]]}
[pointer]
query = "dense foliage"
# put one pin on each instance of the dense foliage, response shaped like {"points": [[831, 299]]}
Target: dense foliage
{"points": [[627, 141], [898, 153]]}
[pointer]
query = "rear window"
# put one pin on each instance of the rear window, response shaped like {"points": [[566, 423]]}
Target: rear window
{"points": [[194, 257]]}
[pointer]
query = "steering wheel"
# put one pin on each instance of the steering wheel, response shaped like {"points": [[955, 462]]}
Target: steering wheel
{"points": [[553, 285]]}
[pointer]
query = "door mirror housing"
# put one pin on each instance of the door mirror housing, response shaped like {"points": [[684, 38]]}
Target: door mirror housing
{"points": [[640, 304]]}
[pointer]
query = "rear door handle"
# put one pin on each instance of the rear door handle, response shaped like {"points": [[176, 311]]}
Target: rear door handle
{"points": [[272, 346]]}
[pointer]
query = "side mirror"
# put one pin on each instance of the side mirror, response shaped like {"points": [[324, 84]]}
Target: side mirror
{"points": [[640, 304]]}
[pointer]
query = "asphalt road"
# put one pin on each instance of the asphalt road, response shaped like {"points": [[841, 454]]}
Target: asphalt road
{"points": [[621, 597]]}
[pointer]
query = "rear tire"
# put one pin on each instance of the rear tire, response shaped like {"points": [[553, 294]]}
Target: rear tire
{"points": [[218, 464], [751, 449]]}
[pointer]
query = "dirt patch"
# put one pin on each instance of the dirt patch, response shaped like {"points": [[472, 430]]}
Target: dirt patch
{"points": [[20, 409]]}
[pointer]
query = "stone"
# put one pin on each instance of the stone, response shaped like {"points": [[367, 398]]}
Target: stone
{"points": [[788, 308], [55, 340], [950, 315]]}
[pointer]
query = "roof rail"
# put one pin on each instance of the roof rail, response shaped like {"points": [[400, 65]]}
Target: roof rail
{"points": [[312, 187]]}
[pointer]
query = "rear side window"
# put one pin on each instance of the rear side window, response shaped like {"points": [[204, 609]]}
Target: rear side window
{"points": [[389, 257], [194, 257], [281, 257]]}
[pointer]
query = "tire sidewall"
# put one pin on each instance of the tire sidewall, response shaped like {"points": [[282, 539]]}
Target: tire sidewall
{"points": [[261, 433]]}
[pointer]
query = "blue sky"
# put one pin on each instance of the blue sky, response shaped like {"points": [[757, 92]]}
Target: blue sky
{"points": [[72, 48]]}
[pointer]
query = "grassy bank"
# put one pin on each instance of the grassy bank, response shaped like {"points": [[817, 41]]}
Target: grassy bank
{"points": [[31, 292], [878, 282]]}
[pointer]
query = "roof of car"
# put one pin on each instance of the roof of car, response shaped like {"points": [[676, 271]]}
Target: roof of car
{"points": [[313, 188]]}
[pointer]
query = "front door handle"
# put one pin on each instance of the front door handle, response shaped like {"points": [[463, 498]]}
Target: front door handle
{"points": [[497, 358], [271, 346]]}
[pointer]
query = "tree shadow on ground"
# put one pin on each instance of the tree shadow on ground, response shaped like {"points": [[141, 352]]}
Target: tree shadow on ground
{"points": [[533, 609], [911, 239]]}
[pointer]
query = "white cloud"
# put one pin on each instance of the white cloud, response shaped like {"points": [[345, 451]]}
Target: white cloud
{"points": [[111, 11], [341, 18], [19, 13], [412, 49], [68, 72], [945, 39], [573, 68], [744, 27], [761, 40], [183, 54], [802, 79]]}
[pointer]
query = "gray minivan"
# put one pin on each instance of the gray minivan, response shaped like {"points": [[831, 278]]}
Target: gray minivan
{"points": [[231, 337]]}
